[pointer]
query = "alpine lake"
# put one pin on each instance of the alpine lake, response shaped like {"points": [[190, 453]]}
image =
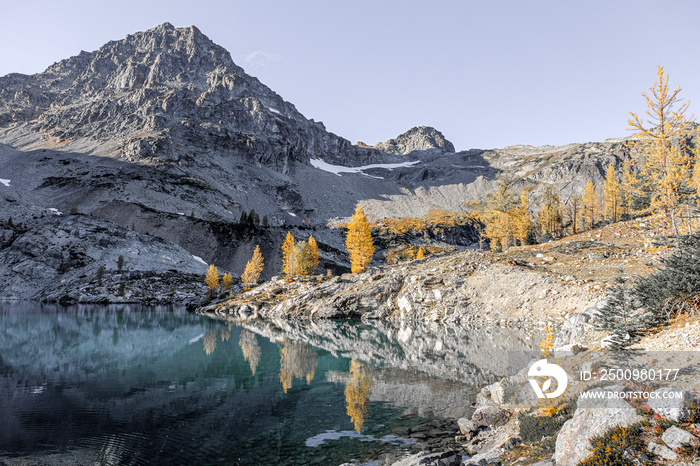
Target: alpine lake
{"points": [[133, 385]]}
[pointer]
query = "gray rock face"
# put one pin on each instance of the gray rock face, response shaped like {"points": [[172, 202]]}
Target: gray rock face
{"points": [[593, 417], [57, 259], [675, 408], [418, 139]]}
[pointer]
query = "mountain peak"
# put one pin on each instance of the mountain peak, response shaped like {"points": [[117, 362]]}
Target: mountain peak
{"points": [[418, 138]]}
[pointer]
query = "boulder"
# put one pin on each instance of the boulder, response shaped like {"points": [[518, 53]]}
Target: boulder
{"points": [[593, 416], [662, 451], [424, 458], [676, 409], [484, 459], [467, 427], [574, 325], [492, 416], [676, 438]]}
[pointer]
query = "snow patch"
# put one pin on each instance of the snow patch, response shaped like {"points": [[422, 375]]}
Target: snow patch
{"points": [[55, 211], [338, 169], [274, 110], [292, 214], [5, 182], [320, 439], [199, 259]]}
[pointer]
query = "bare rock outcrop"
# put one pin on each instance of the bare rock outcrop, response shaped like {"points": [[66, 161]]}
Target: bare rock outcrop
{"points": [[417, 139]]}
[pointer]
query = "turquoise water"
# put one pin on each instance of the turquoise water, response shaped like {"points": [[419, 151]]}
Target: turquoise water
{"points": [[136, 385]]}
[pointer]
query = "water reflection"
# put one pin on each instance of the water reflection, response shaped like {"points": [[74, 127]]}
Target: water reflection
{"points": [[134, 385], [297, 361], [250, 348], [357, 393]]}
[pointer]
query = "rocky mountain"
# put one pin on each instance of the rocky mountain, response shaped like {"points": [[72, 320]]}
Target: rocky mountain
{"points": [[163, 134], [418, 139]]}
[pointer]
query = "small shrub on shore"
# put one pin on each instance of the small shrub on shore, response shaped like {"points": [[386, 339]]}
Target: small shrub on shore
{"points": [[612, 448]]}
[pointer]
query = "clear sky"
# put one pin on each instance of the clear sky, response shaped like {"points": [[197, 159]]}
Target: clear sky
{"points": [[487, 74]]}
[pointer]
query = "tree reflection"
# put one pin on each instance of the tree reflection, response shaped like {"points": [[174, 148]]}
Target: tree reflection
{"points": [[209, 341], [297, 361], [357, 392], [251, 349], [226, 332]]}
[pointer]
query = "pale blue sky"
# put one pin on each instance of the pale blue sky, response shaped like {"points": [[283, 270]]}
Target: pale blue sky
{"points": [[487, 74]]}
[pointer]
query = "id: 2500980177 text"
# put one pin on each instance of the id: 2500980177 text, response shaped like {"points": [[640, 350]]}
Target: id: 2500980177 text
{"points": [[635, 375]]}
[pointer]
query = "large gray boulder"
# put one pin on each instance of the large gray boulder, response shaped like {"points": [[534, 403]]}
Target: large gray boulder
{"points": [[492, 416], [676, 438], [596, 411]]}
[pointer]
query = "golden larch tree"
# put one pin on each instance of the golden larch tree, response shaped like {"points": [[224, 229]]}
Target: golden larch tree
{"points": [[549, 217], [253, 268], [226, 282], [302, 259], [661, 157], [314, 257], [573, 211], [612, 195], [357, 393], [523, 224], [212, 278], [499, 215], [359, 241], [288, 256], [590, 204], [627, 189], [420, 254]]}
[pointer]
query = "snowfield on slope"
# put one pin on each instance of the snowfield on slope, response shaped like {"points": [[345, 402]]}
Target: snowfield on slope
{"points": [[338, 169]]}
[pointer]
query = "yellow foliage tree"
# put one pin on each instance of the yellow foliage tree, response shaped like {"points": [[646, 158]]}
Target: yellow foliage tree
{"points": [[288, 256], [660, 149], [627, 189], [590, 204], [359, 241], [226, 282], [420, 254], [549, 217], [212, 278], [356, 394], [253, 268], [313, 252], [523, 224], [612, 195], [499, 215], [573, 211], [302, 259]]}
